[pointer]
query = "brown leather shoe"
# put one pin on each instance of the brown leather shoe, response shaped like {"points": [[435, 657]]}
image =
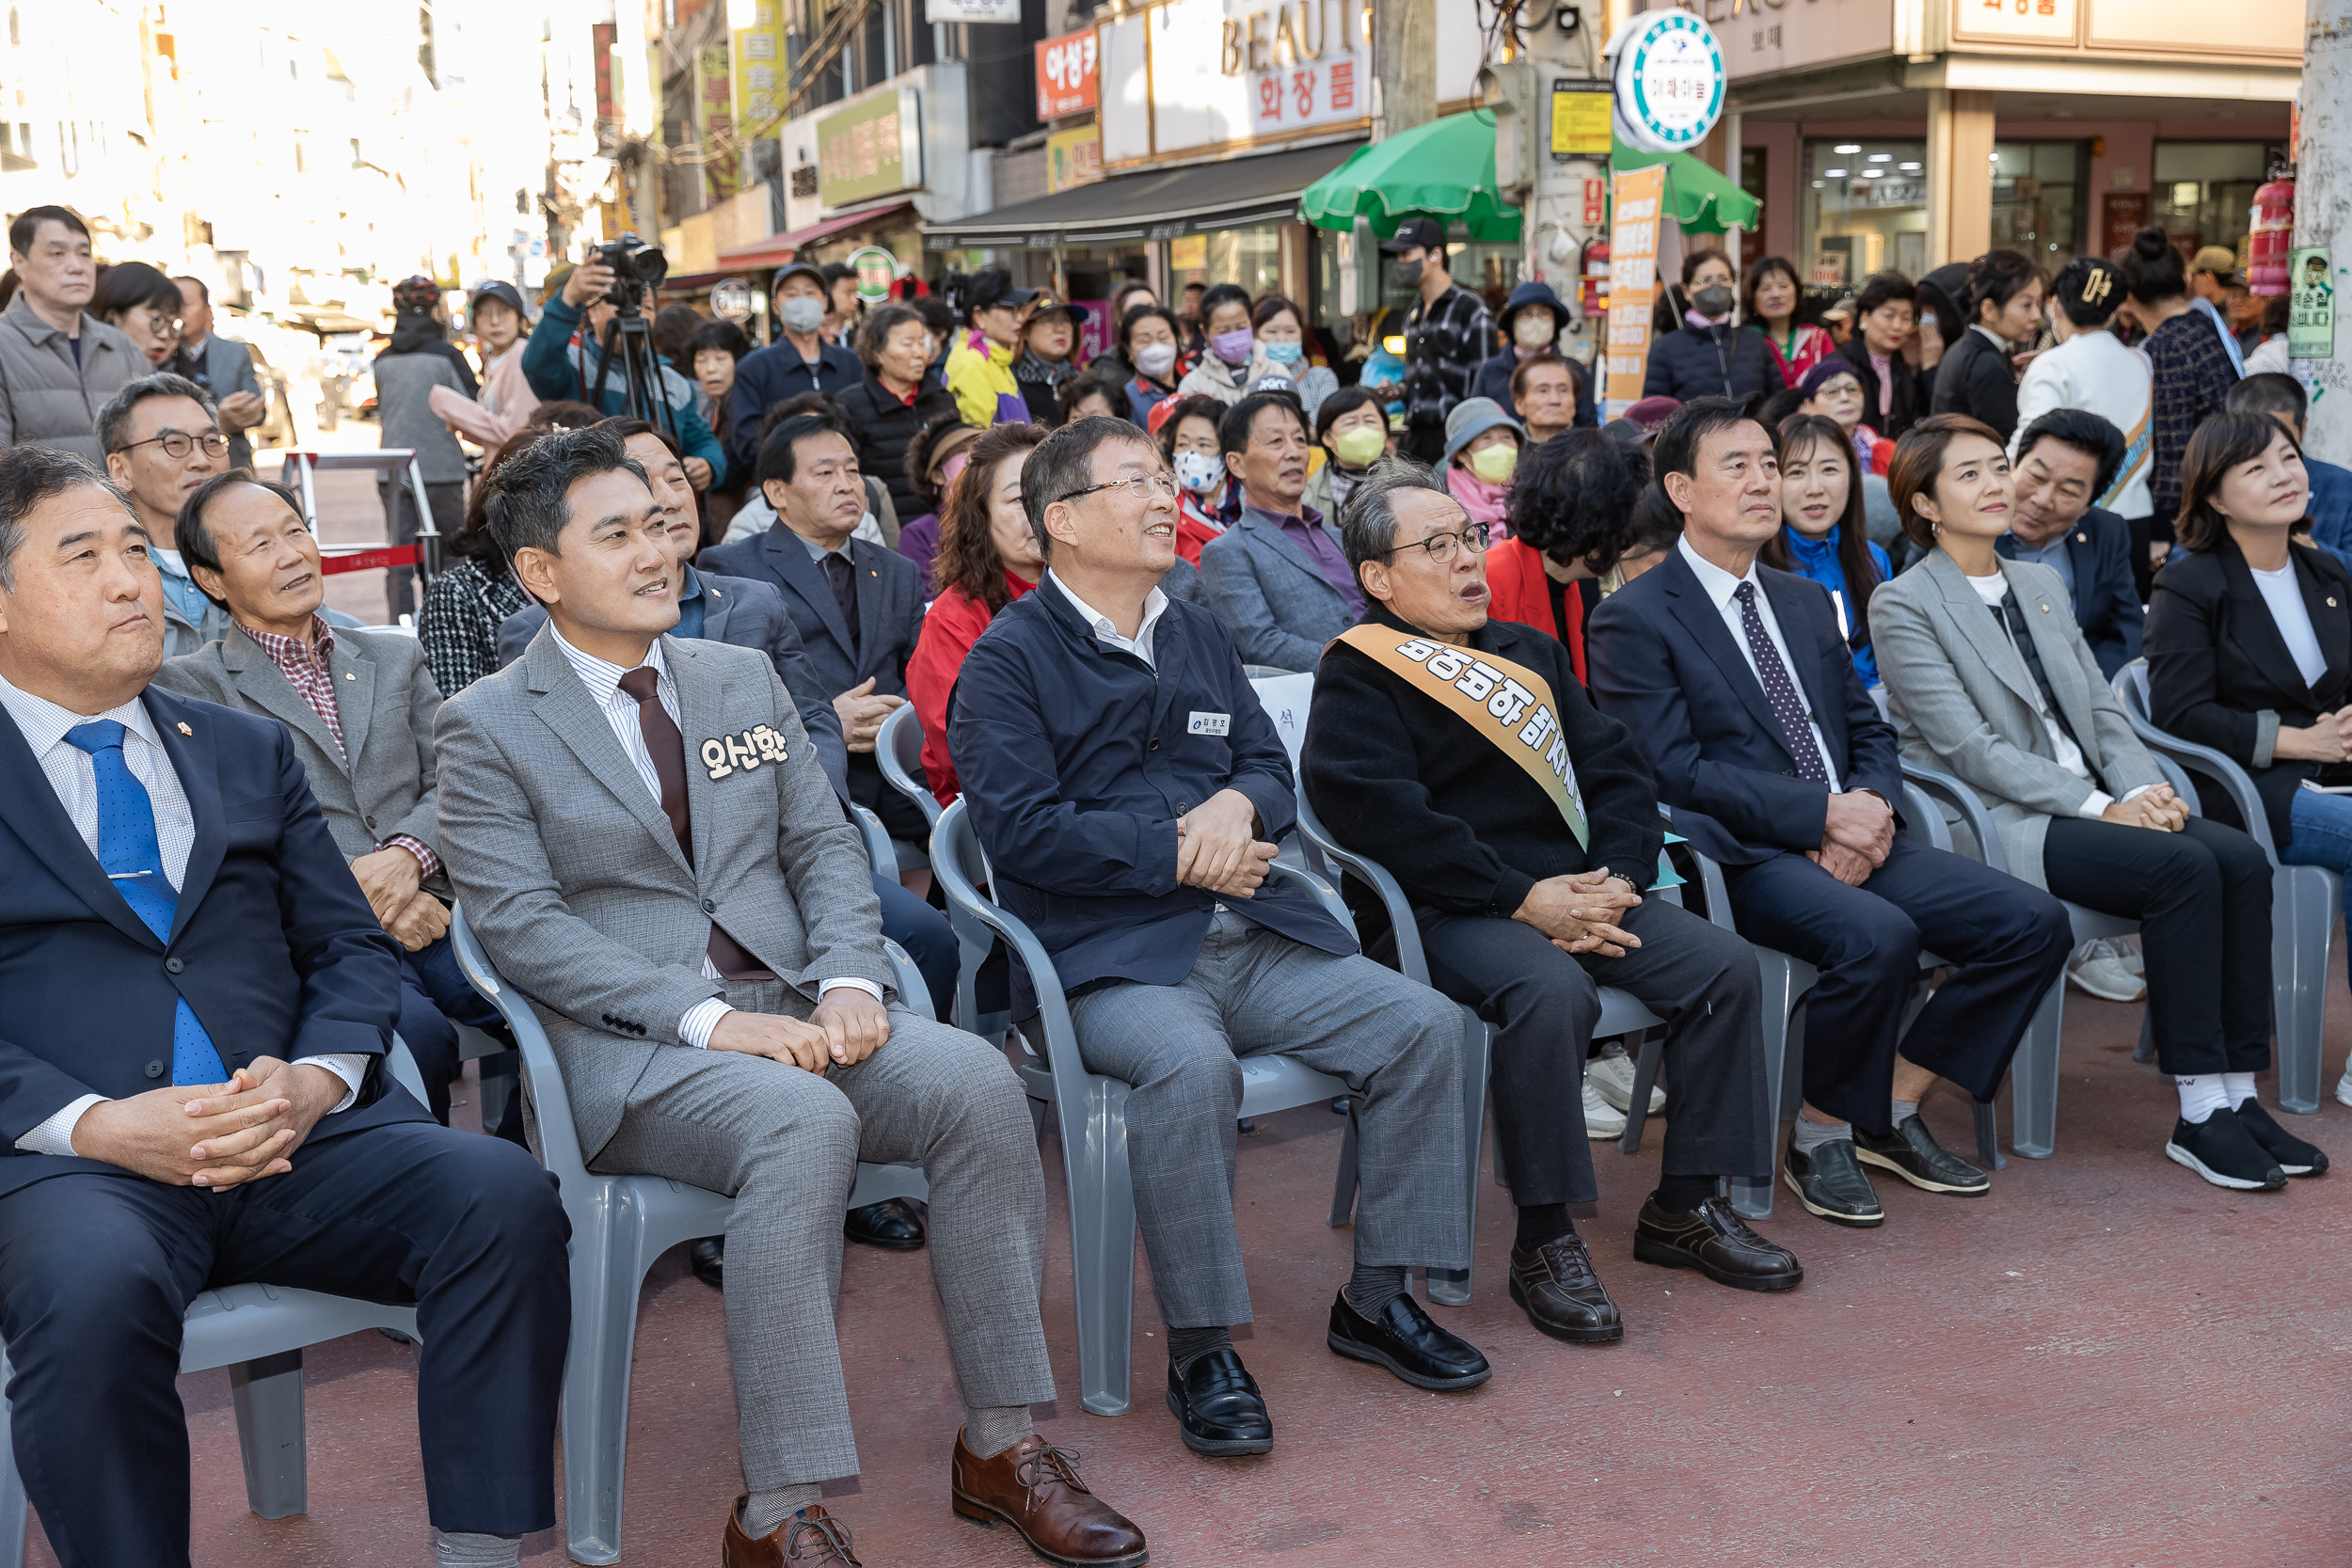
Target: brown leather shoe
{"points": [[809, 1539], [1562, 1297], [1714, 1239], [1034, 1487]]}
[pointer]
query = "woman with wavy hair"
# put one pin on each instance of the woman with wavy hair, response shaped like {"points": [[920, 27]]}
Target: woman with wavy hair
{"points": [[1569, 506]]}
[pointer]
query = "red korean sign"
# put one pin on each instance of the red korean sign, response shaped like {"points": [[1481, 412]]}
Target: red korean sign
{"points": [[1067, 77]]}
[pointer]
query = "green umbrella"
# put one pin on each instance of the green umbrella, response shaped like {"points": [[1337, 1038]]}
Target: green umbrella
{"points": [[1444, 170], [1700, 201]]}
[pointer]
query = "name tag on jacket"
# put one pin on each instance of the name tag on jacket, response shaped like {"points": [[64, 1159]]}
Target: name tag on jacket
{"points": [[1209, 723]]}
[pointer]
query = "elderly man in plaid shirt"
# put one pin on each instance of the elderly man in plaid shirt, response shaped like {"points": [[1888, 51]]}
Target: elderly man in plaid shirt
{"points": [[1447, 332]]}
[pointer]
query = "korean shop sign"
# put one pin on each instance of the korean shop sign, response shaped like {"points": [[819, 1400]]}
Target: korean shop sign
{"points": [[870, 149], [1066, 75]]}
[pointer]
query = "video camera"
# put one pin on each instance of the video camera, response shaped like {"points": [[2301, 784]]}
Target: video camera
{"points": [[636, 267]]}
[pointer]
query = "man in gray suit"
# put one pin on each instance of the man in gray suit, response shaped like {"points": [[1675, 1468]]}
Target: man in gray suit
{"points": [[701, 936], [222, 367], [1277, 577], [359, 706]]}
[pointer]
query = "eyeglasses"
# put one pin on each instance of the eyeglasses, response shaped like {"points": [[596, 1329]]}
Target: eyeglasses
{"points": [[177, 446], [1147, 485], [1441, 547]]}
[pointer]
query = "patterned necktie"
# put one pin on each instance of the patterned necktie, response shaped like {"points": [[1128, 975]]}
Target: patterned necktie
{"points": [[668, 750], [1796, 727], [134, 863]]}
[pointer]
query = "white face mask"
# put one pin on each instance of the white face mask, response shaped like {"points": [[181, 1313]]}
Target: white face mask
{"points": [[1199, 472], [1155, 359], [1533, 330]]}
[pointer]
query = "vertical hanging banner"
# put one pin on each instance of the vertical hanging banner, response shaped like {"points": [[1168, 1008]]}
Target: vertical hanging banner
{"points": [[2310, 305], [1639, 195], [756, 34], [722, 171]]}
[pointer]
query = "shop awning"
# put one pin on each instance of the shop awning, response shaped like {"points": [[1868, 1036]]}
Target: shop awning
{"points": [[1444, 170], [776, 250], [1700, 201], [1160, 205]]}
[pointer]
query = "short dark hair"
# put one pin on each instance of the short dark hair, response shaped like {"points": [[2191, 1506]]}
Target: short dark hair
{"points": [[777, 458], [1998, 275], [1345, 401], [202, 292], [1572, 495], [29, 476], [1192, 405], [1678, 450], [2151, 268], [131, 284], [1368, 518], [938, 315], [1656, 525], [875, 331], [1527, 367], [1880, 287], [2269, 392], [1063, 464], [529, 500], [2221, 443], [472, 541], [1079, 388], [193, 536], [563, 414], [1223, 294], [1919, 463], [1697, 259], [1232, 431], [674, 329], [625, 426], [1806, 435], [2088, 433], [116, 414], [1760, 271], [1145, 313], [803, 405], [723, 336], [27, 225], [1271, 305], [2088, 289]]}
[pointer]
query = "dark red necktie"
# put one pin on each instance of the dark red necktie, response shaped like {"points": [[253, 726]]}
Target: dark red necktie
{"points": [[668, 750]]}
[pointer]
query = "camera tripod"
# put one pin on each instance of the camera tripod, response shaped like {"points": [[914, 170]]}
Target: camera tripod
{"points": [[629, 342]]}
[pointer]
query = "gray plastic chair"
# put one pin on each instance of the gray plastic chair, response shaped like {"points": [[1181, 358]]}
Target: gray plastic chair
{"points": [[2304, 901], [620, 1226], [259, 1332], [899, 749], [1092, 1112]]}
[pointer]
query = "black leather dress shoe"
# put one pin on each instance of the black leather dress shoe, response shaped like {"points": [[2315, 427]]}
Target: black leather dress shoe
{"points": [[1217, 1407], [1912, 1152], [890, 1225], [1404, 1339], [1555, 1285], [1714, 1239], [1830, 1182]]}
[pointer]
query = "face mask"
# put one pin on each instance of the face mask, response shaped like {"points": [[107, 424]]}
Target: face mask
{"points": [[1199, 472], [801, 314], [1405, 274], [1156, 359], [1713, 300], [1233, 347], [1359, 448], [1285, 353], [1495, 464], [1533, 330]]}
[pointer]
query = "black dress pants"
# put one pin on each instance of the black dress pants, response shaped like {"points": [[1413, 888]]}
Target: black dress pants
{"points": [[1544, 1003], [2203, 900]]}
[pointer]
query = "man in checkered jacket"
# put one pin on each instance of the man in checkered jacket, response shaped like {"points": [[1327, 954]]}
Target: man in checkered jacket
{"points": [[1447, 332]]}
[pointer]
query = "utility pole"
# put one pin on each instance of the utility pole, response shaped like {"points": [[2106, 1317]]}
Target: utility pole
{"points": [[1404, 64], [2323, 206], [1563, 194]]}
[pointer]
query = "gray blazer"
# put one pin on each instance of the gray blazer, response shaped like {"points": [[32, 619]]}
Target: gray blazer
{"points": [[380, 783], [1963, 698], [1277, 608], [573, 879]]}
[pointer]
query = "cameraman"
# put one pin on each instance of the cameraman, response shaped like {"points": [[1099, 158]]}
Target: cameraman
{"points": [[561, 371]]}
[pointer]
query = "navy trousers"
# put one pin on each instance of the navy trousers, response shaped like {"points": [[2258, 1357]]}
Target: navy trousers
{"points": [[97, 1270], [435, 995], [923, 933], [2007, 940]]}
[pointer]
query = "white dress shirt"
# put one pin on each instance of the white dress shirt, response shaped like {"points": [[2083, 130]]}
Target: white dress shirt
{"points": [[73, 774], [1720, 586], [2069, 755], [602, 677], [1140, 645]]}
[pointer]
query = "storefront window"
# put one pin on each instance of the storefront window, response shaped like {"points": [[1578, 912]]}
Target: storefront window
{"points": [[2204, 190], [1251, 257], [2037, 198], [1865, 210]]}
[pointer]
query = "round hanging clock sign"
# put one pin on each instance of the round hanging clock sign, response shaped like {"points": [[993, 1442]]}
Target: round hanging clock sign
{"points": [[1670, 81]]}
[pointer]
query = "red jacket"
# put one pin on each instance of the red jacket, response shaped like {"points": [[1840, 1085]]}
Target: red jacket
{"points": [[950, 627], [1514, 578]]}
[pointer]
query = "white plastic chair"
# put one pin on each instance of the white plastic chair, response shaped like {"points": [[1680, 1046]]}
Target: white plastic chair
{"points": [[620, 1226], [259, 1332], [1093, 1111], [2304, 900]]}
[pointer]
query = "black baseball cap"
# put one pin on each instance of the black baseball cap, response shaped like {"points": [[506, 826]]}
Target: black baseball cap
{"points": [[505, 293], [992, 286], [1422, 232]]}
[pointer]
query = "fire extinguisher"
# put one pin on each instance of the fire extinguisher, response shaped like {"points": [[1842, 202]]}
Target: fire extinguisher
{"points": [[2271, 241], [1593, 283]]}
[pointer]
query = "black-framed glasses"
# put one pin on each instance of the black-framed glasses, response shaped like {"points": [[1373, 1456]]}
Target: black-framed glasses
{"points": [[1146, 485], [1442, 546], [177, 444]]}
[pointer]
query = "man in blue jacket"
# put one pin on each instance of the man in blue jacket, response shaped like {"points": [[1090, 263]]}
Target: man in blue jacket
{"points": [[558, 370], [1128, 789], [2065, 459], [191, 1076]]}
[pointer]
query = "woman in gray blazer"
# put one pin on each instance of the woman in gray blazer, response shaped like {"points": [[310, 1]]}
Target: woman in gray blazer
{"points": [[1989, 679]]}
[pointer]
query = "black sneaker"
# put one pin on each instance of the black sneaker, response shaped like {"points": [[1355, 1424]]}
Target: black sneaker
{"points": [[1830, 1182], [1912, 1152], [2294, 1156], [2220, 1149]]}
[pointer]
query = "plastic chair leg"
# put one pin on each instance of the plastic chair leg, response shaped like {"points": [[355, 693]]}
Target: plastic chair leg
{"points": [[2033, 1078], [1102, 1244], [1344, 1186], [2146, 1050], [1754, 1199], [2303, 918], [1645, 1074], [1452, 1287], [1988, 1138], [267, 1394], [607, 1275]]}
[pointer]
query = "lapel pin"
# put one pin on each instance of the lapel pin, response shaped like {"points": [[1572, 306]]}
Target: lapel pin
{"points": [[349, 676], [2331, 604], [184, 730], [2045, 609], [2082, 539]]}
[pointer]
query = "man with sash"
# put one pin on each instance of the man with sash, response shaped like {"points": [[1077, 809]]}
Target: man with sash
{"points": [[1462, 753], [1129, 790]]}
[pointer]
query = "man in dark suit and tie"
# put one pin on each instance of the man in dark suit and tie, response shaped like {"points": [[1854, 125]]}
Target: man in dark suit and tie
{"points": [[2064, 459], [858, 606], [191, 1076], [1777, 765]]}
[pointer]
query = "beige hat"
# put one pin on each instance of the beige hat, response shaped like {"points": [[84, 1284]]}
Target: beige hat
{"points": [[2220, 260]]}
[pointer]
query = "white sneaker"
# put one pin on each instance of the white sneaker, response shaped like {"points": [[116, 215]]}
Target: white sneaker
{"points": [[2343, 1086], [1612, 1073], [2127, 950], [1603, 1121], [2095, 969]]}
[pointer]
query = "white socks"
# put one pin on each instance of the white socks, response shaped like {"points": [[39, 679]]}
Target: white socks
{"points": [[2202, 1094], [2238, 1087], [465, 1549]]}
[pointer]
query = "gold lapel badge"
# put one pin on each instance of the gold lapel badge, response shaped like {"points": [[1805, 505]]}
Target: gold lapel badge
{"points": [[189, 733]]}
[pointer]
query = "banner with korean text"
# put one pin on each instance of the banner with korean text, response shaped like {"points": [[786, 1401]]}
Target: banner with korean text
{"points": [[1639, 196]]}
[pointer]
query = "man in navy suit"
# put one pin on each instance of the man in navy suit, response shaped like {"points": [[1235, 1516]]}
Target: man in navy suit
{"points": [[1777, 765], [2064, 459], [192, 1086]]}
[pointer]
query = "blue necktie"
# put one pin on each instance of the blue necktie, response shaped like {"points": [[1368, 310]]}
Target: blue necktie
{"points": [[132, 861]]}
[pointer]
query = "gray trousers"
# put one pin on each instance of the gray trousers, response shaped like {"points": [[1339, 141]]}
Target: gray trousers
{"points": [[784, 1143], [1398, 1046]]}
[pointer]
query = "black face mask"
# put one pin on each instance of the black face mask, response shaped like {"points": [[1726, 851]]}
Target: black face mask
{"points": [[1407, 274], [1713, 300]]}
